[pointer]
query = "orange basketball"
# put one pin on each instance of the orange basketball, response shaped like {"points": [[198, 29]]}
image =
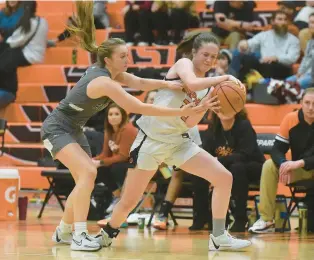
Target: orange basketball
{"points": [[232, 97]]}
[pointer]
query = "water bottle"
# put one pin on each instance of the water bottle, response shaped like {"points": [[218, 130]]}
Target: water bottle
{"points": [[302, 219]]}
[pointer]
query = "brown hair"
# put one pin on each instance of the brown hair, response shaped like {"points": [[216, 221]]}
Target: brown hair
{"points": [[84, 29], [215, 122], [194, 40], [8, 10], [108, 126]]}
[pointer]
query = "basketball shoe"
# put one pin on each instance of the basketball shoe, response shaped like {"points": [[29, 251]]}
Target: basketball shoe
{"points": [[226, 242]]}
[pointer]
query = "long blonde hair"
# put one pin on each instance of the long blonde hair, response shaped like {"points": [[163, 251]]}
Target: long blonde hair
{"points": [[85, 31]]}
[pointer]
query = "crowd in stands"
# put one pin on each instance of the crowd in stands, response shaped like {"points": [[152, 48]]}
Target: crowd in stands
{"points": [[251, 51]]}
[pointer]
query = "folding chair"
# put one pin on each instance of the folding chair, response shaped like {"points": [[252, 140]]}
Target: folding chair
{"points": [[61, 184], [3, 127], [297, 187]]}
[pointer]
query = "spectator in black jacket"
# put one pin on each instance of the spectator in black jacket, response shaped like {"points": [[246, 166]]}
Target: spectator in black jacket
{"points": [[232, 140], [297, 134]]}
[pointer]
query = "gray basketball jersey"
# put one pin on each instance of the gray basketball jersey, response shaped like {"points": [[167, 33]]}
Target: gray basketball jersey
{"points": [[170, 129], [77, 108]]}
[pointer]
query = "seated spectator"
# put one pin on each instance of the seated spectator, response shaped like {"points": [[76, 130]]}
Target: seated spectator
{"points": [[296, 133], [26, 46], [101, 18], [10, 15], [304, 15], [161, 21], [278, 48], [112, 161], [233, 19], [303, 77], [182, 17], [223, 64], [137, 23], [301, 20], [232, 140], [289, 8]]}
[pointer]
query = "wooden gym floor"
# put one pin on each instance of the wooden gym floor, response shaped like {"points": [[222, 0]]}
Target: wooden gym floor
{"points": [[31, 240]]}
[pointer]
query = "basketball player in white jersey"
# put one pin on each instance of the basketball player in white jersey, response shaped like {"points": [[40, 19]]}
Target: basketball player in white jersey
{"points": [[167, 140]]}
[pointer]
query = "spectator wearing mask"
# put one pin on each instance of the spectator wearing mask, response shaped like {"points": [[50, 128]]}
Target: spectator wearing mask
{"points": [[26, 46], [233, 19], [303, 77], [112, 161], [279, 50]]}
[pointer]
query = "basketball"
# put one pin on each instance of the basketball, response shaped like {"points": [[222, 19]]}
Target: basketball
{"points": [[232, 97]]}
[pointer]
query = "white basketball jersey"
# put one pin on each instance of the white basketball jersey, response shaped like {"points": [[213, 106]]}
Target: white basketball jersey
{"points": [[169, 129]]}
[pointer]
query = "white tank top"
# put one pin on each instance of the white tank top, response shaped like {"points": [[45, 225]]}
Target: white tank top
{"points": [[169, 129]]}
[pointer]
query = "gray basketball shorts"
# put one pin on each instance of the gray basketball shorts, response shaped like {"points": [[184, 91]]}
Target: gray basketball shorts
{"points": [[55, 137]]}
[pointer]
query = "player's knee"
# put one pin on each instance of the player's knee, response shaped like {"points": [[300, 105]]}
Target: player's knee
{"points": [[88, 175], [227, 179]]}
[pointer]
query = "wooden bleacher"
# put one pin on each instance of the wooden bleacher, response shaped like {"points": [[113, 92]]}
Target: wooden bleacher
{"points": [[42, 86]]}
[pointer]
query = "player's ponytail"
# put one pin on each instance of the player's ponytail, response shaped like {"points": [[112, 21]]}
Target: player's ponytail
{"points": [[84, 29]]}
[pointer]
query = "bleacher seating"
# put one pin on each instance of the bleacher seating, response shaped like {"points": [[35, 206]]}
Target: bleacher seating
{"points": [[42, 86]]}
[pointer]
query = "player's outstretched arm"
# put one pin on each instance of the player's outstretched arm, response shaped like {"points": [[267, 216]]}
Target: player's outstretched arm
{"points": [[104, 86], [135, 82]]}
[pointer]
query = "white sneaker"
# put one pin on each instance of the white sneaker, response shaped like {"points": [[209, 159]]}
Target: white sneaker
{"points": [[112, 205], [61, 237], [103, 238], [226, 242], [84, 242], [261, 226]]}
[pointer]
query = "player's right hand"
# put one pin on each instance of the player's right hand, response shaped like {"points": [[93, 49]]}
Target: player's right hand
{"points": [[192, 110]]}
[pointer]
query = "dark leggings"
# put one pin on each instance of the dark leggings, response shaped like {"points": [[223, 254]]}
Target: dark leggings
{"points": [[113, 176], [243, 175], [273, 70]]}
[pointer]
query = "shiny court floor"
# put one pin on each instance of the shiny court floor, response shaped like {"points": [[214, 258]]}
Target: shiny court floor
{"points": [[31, 240]]}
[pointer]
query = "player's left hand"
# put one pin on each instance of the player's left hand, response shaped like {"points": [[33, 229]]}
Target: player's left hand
{"points": [[232, 78], [211, 102]]}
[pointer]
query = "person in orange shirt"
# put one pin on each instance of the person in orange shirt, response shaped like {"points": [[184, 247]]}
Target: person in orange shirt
{"points": [[112, 161]]}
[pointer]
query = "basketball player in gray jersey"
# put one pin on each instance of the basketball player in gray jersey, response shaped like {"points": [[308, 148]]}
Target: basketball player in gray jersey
{"points": [[62, 130], [167, 140]]}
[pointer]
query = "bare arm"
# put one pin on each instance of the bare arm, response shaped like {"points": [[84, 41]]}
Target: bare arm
{"points": [[211, 103], [145, 84], [226, 24], [184, 69], [104, 86]]}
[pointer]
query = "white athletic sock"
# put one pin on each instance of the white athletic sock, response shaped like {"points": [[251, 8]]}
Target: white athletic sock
{"points": [[64, 227], [80, 227]]}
